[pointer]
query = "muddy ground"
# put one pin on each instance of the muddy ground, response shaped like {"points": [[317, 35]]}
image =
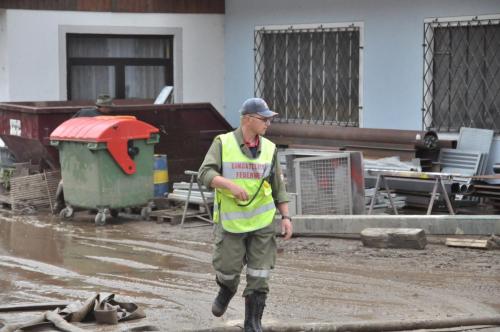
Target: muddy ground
{"points": [[167, 270]]}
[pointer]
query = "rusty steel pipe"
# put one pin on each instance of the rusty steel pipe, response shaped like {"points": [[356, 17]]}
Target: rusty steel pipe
{"points": [[369, 326], [414, 137]]}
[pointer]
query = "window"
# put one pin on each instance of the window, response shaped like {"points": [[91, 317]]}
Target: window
{"points": [[309, 75], [461, 74], [121, 66]]}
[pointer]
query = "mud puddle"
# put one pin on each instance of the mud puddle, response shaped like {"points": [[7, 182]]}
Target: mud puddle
{"points": [[167, 270]]}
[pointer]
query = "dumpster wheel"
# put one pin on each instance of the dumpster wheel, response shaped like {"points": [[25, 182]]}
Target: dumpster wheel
{"points": [[100, 218], [66, 213], [145, 212]]}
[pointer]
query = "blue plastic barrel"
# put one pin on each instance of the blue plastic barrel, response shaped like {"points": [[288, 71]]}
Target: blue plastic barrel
{"points": [[160, 175]]}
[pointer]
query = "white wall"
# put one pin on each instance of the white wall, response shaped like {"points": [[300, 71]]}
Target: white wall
{"points": [[37, 68], [4, 87], [392, 58]]}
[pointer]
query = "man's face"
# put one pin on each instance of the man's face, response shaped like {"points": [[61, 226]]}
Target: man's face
{"points": [[259, 124]]}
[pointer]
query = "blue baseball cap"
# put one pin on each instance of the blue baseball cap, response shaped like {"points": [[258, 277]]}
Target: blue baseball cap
{"points": [[257, 106]]}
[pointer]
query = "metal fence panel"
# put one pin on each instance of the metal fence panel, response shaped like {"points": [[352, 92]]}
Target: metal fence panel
{"points": [[324, 185]]}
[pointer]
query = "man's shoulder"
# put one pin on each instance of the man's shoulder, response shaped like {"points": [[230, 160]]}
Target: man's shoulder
{"points": [[266, 141], [237, 135], [87, 112]]}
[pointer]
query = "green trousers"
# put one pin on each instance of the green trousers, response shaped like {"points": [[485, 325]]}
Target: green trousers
{"points": [[232, 251]]}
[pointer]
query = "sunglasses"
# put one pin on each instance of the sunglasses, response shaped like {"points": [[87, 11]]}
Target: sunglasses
{"points": [[267, 121]]}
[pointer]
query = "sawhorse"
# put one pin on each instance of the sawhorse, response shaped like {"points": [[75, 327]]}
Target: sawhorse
{"points": [[194, 178], [438, 183]]}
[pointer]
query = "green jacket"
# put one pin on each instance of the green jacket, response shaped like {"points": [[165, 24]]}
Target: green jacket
{"points": [[211, 167]]}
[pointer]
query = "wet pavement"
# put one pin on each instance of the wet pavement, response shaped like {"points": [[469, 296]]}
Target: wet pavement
{"points": [[167, 270]]}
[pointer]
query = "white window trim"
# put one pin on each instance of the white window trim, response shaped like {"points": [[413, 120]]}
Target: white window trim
{"points": [[119, 30], [359, 25]]}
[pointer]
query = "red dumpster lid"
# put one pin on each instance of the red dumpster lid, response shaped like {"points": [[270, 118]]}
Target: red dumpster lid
{"points": [[115, 131], [102, 129]]}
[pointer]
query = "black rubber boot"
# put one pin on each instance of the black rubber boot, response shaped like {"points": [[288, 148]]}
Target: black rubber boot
{"points": [[222, 300], [254, 309], [260, 308]]}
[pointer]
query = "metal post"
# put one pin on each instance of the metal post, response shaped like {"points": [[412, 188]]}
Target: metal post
{"points": [[446, 198], [433, 196], [374, 194], [388, 191], [187, 199], [48, 192], [205, 203]]}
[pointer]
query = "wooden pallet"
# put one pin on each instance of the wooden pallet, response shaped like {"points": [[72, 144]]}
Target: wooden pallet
{"points": [[173, 215]]}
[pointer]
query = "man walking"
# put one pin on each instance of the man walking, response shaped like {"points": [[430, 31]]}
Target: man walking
{"points": [[243, 168]]}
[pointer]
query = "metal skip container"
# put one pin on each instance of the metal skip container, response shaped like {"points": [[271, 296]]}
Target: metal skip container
{"points": [[106, 163]]}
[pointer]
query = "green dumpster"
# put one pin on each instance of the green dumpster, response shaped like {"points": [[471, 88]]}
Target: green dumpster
{"points": [[106, 163]]}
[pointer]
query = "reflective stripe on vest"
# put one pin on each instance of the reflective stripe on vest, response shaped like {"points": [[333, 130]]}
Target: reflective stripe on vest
{"points": [[247, 214], [248, 173]]}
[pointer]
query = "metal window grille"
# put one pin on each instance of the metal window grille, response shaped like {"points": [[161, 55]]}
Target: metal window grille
{"points": [[461, 75], [324, 185], [309, 75]]}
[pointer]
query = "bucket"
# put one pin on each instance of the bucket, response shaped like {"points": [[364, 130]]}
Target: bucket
{"points": [[160, 175]]}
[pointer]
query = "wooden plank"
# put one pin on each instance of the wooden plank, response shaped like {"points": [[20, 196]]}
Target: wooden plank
{"points": [[408, 238], [185, 186], [468, 243], [184, 192], [193, 199], [130, 6]]}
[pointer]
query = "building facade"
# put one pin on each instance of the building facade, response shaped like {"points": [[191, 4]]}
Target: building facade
{"points": [[54, 51]]}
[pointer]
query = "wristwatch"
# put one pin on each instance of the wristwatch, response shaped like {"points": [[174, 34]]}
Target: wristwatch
{"points": [[286, 217]]}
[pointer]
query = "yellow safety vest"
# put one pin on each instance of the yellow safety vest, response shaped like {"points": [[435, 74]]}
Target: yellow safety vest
{"points": [[245, 216]]}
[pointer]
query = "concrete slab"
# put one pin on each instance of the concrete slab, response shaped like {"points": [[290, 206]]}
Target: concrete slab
{"points": [[432, 224]]}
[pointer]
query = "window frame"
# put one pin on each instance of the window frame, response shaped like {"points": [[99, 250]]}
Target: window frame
{"points": [[429, 25], [119, 63], [339, 26]]}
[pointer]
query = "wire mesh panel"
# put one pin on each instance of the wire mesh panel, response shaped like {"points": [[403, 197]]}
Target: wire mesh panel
{"points": [[324, 185], [309, 75], [461, 75]]}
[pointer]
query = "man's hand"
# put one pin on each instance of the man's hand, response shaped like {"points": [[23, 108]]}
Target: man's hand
{"points": [[286, 228], [238, 192]]}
